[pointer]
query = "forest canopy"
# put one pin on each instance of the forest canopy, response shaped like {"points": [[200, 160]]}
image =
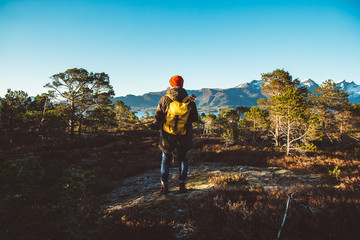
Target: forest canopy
{"points": [[79, 102]]}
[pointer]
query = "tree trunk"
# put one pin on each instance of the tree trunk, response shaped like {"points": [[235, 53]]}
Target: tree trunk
{"points": [[41, 124], [72, 119], [80, 124], [277, 131], [71, 125], [288, 138]]}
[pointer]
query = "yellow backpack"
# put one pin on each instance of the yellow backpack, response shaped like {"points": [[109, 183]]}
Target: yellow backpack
{"points": [[177, 116]]}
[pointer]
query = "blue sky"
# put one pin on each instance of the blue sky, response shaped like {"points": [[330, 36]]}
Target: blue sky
{"points": [[212, 44]]}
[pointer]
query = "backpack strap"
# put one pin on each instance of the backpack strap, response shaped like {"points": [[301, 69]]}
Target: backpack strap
{"points": [[169, 97], [184, 100]]}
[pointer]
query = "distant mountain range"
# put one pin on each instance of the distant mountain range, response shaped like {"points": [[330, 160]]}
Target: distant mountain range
{"points": [[349, 87], [213, 99]]}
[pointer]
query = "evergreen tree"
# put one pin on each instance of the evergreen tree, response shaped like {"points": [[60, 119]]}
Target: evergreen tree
{"points": [[100, 118], [241, 111], [12, 109], [292, 108], [123, 113], [81, 91], [257, 121], [257, 118], [277, 82], [331, 105], [228, 121], [209, 122], [274, 84], [354, 124], [37, 111], [291, 120]]}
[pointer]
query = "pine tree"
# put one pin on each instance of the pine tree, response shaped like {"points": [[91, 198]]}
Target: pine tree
{"points": [[331, 105], [12, 109], [275, 84], [290, 118], [292, 108], [81, 90], [257, 121]]}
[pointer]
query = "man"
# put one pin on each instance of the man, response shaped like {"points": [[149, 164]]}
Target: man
{"points": [[177, 141]]}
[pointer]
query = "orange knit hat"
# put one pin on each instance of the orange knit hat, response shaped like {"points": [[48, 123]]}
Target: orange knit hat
{"points": [[176, 81]]}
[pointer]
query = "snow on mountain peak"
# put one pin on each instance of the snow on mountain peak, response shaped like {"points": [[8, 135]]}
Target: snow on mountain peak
{"points": [[308, 82], [350, 87], [254, 84], [242, 85], [341, 82]]}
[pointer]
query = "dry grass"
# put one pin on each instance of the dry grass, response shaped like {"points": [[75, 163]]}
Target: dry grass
{"points": [[252, 213], [348, 178], [330, 210], [225, 179]]}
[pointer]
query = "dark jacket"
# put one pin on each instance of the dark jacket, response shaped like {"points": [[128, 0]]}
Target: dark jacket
{"points": [[168, 142]]}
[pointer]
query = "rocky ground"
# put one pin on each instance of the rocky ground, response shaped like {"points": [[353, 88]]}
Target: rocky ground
{"points": [[138, 197]]}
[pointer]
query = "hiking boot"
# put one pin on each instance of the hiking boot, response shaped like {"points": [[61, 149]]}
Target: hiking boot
{"points": [[164, 189], [182, 188]]}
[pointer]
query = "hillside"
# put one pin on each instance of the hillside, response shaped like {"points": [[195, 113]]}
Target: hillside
{"points": [[207, 99], [213, 99], [107, 187]]}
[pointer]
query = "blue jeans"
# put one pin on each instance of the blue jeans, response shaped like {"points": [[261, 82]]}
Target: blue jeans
{"points": [[183, 168]]}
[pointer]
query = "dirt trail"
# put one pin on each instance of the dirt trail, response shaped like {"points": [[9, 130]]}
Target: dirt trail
{"points": [[138, 197], [144, 187]]}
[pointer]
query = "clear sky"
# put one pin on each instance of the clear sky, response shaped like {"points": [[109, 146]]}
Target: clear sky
{"points": [[212, 44]]}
